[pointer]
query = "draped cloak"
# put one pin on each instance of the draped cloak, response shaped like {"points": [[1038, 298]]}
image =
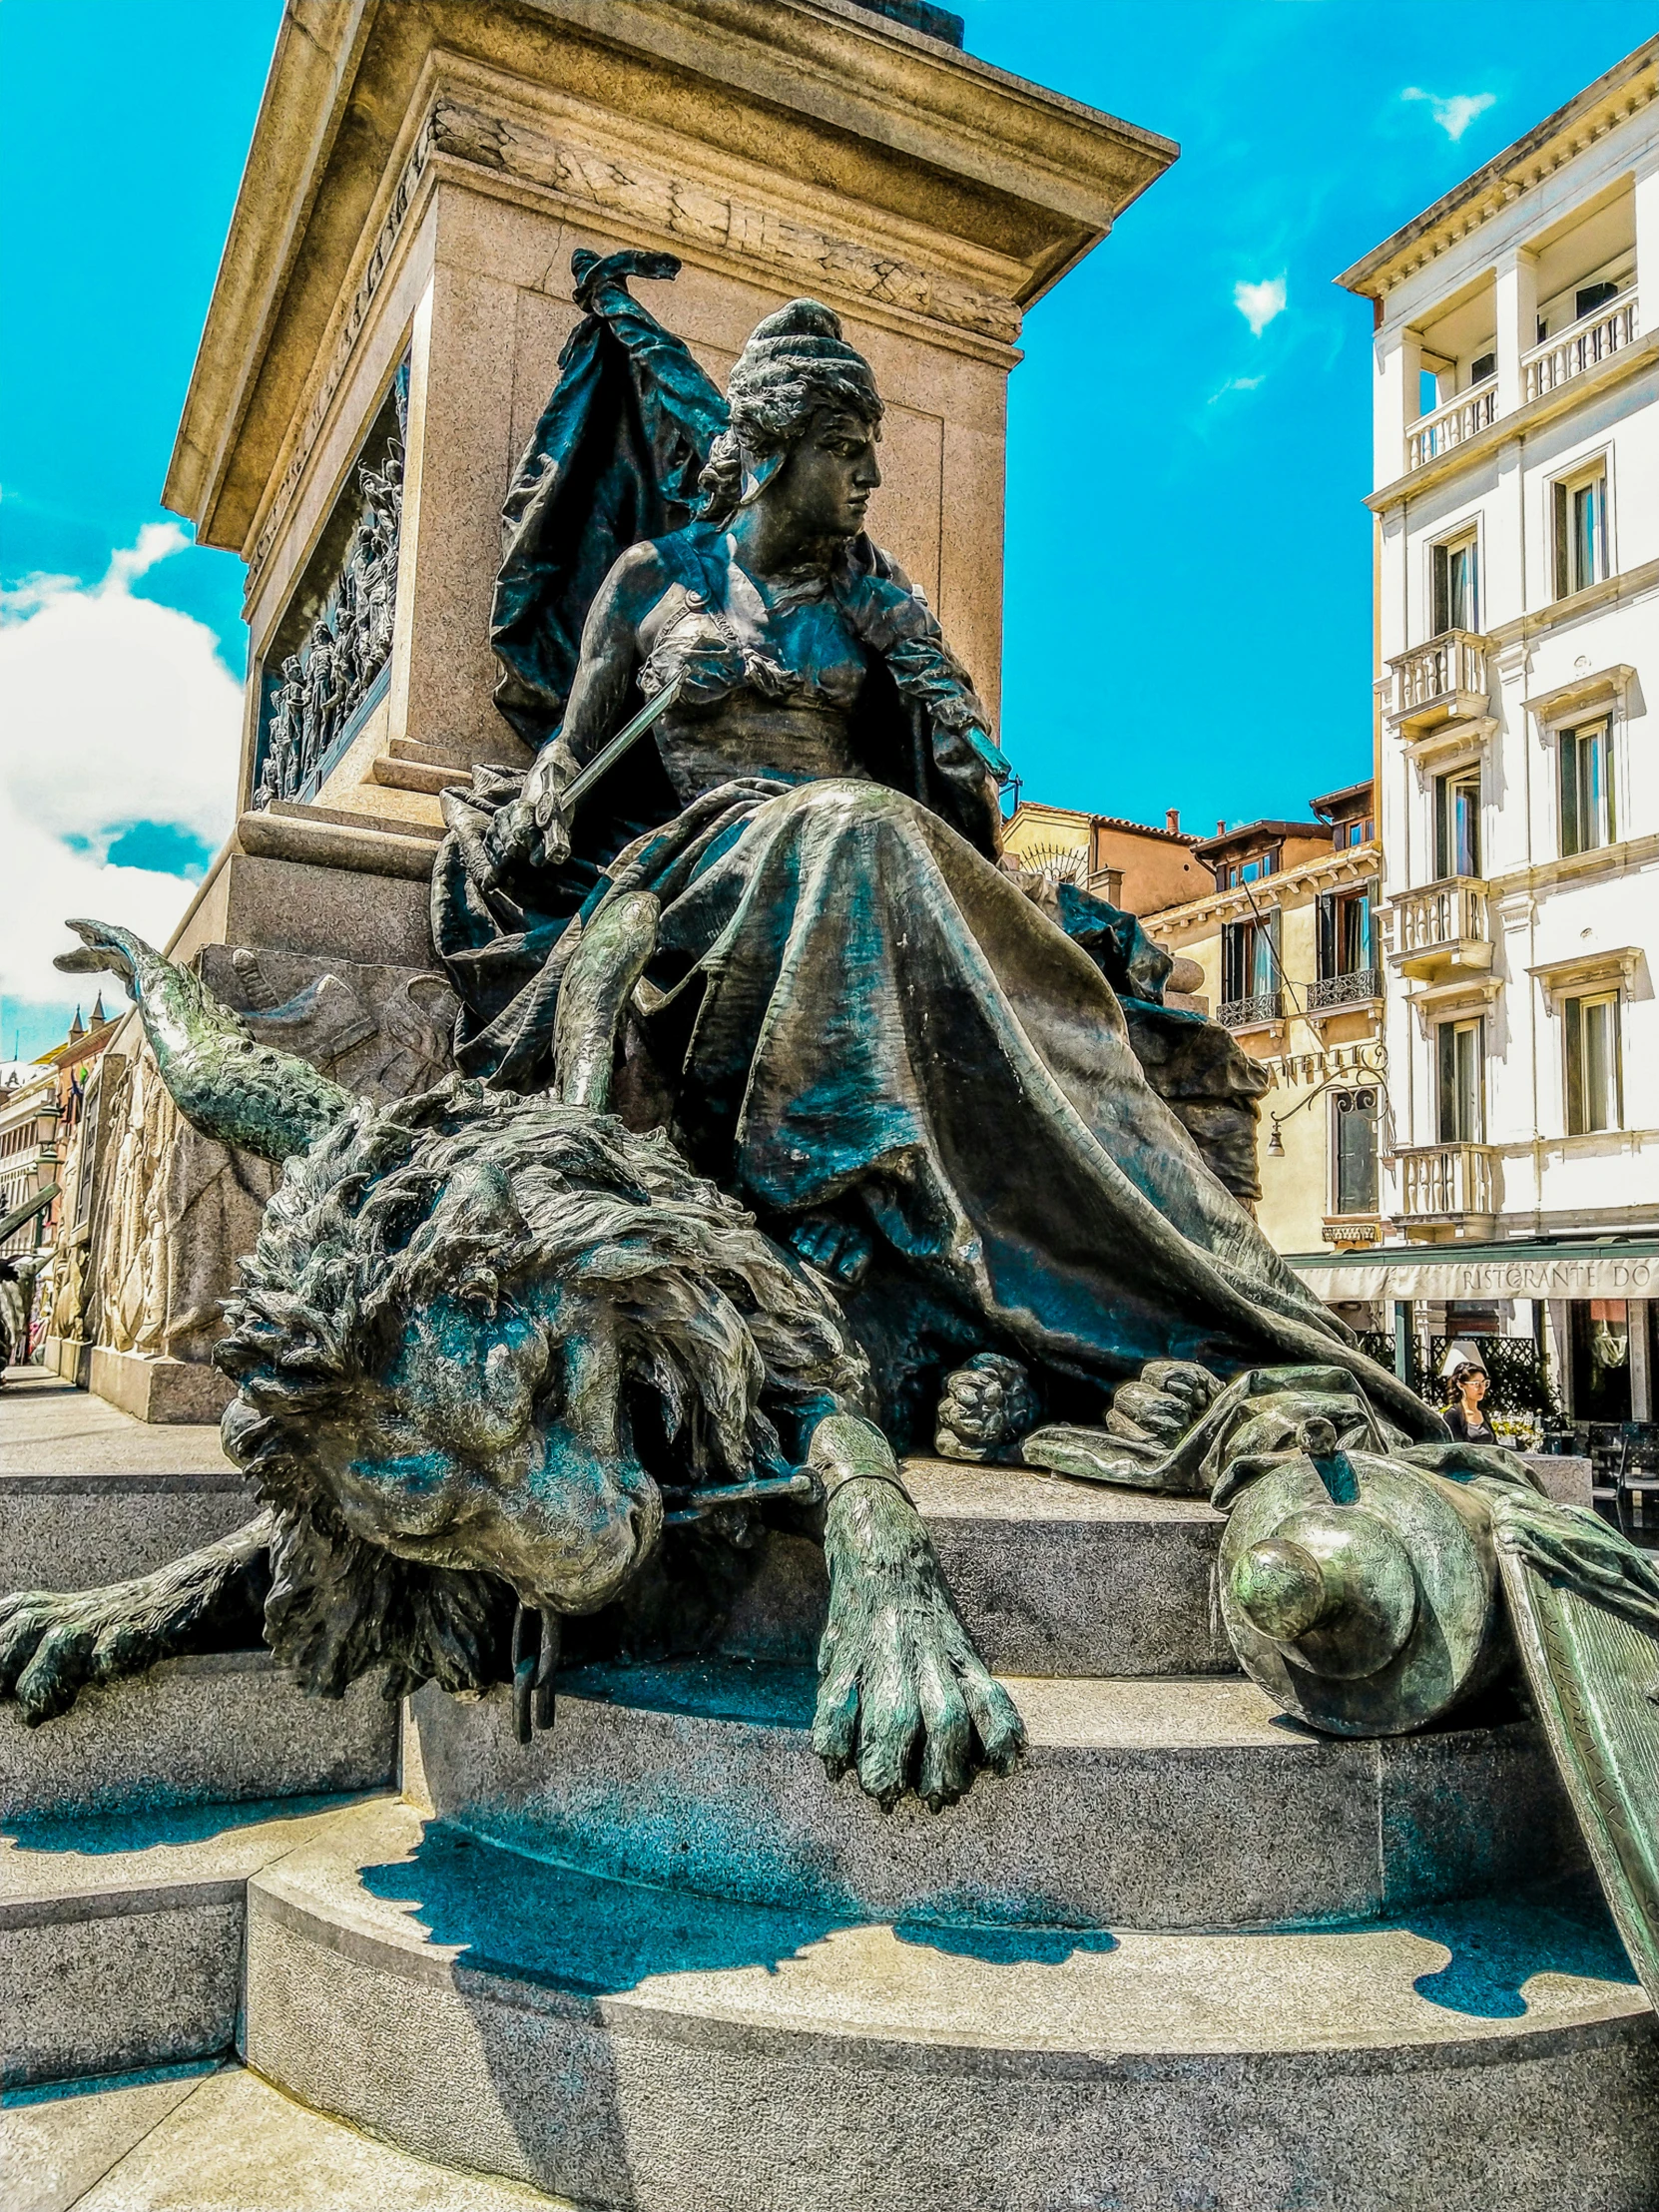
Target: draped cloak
{"points": [[857, 1018]]}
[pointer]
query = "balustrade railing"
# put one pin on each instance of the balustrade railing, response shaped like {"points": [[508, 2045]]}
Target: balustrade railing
{"points": [[1345, 990], [1442, 915], [1241, 1013], [1445, 1180], [1453, 425], [1438, 671], [1604, 331]]}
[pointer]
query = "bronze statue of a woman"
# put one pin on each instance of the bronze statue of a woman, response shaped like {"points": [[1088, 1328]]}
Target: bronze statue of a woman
{"points": [[847, 1015]]}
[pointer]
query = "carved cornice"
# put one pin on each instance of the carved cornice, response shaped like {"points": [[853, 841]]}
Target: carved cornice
{"points": [[1352, 864], [1613, 969], [338, 352], [1622, 92], [470, 132], [693, 212], [902, 140]]}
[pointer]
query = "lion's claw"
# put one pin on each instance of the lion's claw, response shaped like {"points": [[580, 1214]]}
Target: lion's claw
{"points": [[1170, 1395], [985, 1407], [903, 1698]]}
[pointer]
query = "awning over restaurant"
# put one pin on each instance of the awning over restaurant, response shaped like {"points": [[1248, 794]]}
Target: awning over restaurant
{"points": [[1589, 1267]]}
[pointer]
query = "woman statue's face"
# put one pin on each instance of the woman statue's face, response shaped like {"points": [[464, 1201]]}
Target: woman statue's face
{"points": [[826, 483]]}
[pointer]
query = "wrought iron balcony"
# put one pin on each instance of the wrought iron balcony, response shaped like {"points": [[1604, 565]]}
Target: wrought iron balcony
{"points": [[1443, 931], [1455, 423], [1448, 1183], [1345, 990], [1247, 1013], [1442, 680], [1604, 331]]}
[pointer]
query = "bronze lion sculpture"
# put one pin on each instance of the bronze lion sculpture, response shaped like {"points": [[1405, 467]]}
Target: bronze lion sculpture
{"points": [[503, 1363]]}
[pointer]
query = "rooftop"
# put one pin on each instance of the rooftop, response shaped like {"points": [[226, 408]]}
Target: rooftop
{"points": [[1631, 84], [1080, 814], [1249, 833], [1352, 801]]}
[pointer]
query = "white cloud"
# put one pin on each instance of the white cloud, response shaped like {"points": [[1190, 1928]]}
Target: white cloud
{"points": [[1456, 113], [113, 711], [1235, 384], [1258, 304]]}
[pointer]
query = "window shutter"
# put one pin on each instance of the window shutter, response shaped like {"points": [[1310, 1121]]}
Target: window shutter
{"points": [[1327, 947], [1570, 795], [1447, 1036], [1441, 594], [1573, 1024], [1563, 543]]}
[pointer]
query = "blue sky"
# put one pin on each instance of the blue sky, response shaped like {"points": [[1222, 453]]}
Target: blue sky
{"points": [[1188, 558]]}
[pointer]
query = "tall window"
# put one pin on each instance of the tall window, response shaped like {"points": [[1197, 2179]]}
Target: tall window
{"points": [[1457, 824], [1581, 550], [1354, 1147], [1345, 932], [1595, 1081], [1249, 963], [1455, 587], [1588, 816], [1462, 1087]]}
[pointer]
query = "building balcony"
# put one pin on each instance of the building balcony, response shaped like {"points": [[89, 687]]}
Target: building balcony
{"points": [[1331, 992], [1439, 682], [1593, 339], [1455, 423], [1449, 1185], [1443, 933], [1250, 1013]]}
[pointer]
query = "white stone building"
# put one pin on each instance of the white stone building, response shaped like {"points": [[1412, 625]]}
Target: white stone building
{"points": [[1516, 472]]}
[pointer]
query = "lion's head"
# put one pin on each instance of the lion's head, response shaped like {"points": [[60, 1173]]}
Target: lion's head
{"points": [[477, 1333]]}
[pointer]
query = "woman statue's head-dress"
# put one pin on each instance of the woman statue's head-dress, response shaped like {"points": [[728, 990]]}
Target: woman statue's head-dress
{"points": [[795, 367]]}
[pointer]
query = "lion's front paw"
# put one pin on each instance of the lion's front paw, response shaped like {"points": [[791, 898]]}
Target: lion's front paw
{"points": [[909, 1703], [1169, 1397], [902, 1694], [52, 1644], [987, 1405]]}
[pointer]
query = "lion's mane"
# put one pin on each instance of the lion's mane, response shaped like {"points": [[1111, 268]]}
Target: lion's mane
{"points": [[466, 1192]]}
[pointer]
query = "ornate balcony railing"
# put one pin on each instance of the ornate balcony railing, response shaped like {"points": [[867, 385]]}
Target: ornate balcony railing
{"points": [[1243, 1013], [1453, 425], [1345, 990], [1442, 678], [1440, 1182], [1605, 330], [1442, 918]]}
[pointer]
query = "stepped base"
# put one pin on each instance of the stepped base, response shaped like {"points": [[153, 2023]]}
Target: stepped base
{"points": [[1156, 1802], [123, 1935], [636, 2048], [222, 1728]]}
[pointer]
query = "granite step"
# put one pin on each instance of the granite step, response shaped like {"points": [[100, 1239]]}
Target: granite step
{"points": [[635, 2048], [1053, 1577], [1163, 1804], [1058, 1577], [399, 774], [214, 2137], [218, 1728], [74, 1531], [122, 1933]]}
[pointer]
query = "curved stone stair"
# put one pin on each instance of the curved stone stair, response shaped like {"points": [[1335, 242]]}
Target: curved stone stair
{"points": [[639, 2047], [1191, 1958]]}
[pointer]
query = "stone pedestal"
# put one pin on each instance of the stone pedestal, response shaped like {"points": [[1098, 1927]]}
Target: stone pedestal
{"points": [[398, 275]]}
